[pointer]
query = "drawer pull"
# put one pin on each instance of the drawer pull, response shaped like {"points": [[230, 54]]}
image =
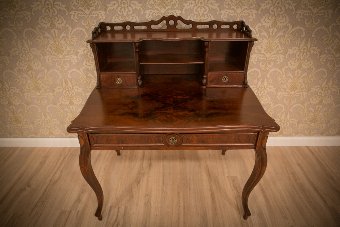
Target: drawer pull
{"points": [[119, 80], [172, 140], [225, 79]]}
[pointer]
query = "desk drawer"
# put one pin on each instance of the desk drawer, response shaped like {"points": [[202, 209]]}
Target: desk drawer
{"points": [[225, 79], [118, 80], [172, 141]]}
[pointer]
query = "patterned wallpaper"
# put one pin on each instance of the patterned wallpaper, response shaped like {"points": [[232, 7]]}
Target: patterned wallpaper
{"points": [[47, 70]]}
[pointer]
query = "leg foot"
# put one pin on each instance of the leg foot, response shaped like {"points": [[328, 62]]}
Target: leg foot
{"points": [[118, 152], [223, 152], [246, 214], [98, 215], [87, 171]]}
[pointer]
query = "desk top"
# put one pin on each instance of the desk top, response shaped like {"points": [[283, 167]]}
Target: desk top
{"points": [[182, 107]]}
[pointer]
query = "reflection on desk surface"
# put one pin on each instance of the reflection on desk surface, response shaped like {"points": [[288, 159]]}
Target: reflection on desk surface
{"points": [[171, 103]]}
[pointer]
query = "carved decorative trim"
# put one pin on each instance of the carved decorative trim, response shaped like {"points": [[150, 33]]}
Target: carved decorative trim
{"points": [[171, 23]]}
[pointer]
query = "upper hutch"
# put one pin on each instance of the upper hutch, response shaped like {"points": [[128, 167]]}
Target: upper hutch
{"points": [[172, 84], [128, 54]]}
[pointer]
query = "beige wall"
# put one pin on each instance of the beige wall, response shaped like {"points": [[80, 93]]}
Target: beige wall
{"points": [[47, 70]]}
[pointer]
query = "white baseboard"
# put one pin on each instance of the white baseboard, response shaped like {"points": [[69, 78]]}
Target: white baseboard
{"points": [[313, 141], [39, 142], [73, 142]]}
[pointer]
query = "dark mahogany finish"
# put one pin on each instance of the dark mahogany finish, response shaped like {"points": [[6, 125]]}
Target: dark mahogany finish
{"points": [[172, 84]]}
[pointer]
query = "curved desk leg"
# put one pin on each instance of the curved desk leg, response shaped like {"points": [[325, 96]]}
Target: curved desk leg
{"points": [[87, 171], [257, 173]]}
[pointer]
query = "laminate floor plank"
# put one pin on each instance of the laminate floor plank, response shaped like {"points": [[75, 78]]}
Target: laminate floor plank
{"points": [[44, 187]]}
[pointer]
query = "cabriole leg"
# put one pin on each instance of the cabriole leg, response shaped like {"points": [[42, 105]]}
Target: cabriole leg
{"points": [[87, 171], [257, 173]]}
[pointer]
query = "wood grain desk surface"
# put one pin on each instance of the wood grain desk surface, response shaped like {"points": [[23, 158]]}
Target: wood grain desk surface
{"points": [[182, 107]]}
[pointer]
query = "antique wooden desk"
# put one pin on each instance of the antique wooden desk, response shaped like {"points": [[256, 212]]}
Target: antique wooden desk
{"points": [[172, 84]]}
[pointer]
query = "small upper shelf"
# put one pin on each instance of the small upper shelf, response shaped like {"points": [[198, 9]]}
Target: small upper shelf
{"points": [[137, 36], [180, 28], [226, 66], [172, 59], [122, 66]]}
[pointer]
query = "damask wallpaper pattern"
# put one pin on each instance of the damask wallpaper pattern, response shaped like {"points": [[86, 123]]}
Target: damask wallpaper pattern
{"points": [[47, 69]]}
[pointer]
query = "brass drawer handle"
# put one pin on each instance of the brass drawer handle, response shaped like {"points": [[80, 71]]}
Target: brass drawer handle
{"points": [[172, 140], [119, 81], [225, 79]]}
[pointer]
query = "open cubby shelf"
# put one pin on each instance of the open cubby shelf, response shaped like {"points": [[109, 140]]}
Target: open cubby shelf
{"points": [[170, 58], [225, 66], [119, 66]]}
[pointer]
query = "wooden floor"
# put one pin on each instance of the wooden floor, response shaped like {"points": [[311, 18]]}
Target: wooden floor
{"points": [[44, 187]]}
